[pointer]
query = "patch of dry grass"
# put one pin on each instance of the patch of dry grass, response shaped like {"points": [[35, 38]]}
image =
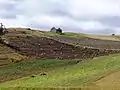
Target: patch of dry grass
{"points": [[7, 55]]}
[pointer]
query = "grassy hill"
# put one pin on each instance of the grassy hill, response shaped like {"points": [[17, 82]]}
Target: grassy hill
{"points": [[64, 74], [33, 58], [65, 34]]}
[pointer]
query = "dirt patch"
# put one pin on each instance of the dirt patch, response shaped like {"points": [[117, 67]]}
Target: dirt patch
{"points": [[43, 47], [57, 47], [90, 42], [111, 82]]}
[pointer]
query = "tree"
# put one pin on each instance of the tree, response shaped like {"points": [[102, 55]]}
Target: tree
{"points": [[59, 30], [113, 34], [3, 30]]}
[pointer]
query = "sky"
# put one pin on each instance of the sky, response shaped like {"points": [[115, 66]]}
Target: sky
{"points": [[83, 16]]}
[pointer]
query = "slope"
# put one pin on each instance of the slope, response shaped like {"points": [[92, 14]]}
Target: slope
{"points": [[28, 43], [36, 45], [8, 56], [73, 76]]}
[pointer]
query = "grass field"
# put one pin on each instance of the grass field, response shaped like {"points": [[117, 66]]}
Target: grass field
{"points": [[80, 35], [63, 73], [25, 68], [39, 33]]}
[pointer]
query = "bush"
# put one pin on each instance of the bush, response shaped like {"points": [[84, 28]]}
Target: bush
{"points": [[28, 28], [113, 34]]}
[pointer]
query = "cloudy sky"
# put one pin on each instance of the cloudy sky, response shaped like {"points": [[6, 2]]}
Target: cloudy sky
{"points": [[86, 16]]}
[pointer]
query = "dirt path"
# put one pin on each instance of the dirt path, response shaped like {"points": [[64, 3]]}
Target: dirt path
{"points": [[110, 82]]}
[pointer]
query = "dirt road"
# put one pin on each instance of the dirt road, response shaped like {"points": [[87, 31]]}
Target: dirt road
{"points": [[110, 82]]}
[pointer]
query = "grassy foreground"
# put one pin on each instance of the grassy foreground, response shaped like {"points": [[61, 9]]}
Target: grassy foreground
{"points": [[73, 75], [26, 68]]}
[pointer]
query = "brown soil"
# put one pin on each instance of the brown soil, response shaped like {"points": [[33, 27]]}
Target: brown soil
{"points": [[8, 56], [90, 42], [43, 47], [58, 47]]}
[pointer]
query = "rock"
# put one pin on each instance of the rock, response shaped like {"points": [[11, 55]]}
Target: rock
{"points": [[43, 74], [32, 76]]}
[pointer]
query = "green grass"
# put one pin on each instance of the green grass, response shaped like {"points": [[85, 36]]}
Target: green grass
{"points": [[26, 68], [105, 37], [78, 35], [40, 33], [34, 65], [74, 35], [74, 75], [65, 34]]}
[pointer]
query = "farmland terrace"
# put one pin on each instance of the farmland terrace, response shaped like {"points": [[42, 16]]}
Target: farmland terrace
{"points": [[53, 58], [35, 44], [89, 42]]}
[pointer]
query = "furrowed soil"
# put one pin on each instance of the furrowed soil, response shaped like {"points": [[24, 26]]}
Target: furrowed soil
{"points": [[8, 56], [90, 42], [58, 47]]}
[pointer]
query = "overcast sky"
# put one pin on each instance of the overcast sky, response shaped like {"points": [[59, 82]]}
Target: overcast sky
{"points": [[85, 16]]}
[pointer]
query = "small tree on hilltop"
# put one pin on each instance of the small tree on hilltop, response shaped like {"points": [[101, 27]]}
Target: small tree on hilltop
{"points": [[3, 30], [59, 30], [113, 34]]}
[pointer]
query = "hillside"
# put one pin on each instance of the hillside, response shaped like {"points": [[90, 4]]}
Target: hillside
{"points": [[8, 56], [40, 45], [21, 44], [73, 58], [63, 74]]}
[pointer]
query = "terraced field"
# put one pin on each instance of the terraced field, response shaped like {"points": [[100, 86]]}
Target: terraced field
{"points": [[89, 42], [8, 56], [46, 58], [58, 47]]}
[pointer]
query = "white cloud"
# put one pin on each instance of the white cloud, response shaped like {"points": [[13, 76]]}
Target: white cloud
{"points": [[117, 30], [93, 8], [20, 21], [79, 15]]}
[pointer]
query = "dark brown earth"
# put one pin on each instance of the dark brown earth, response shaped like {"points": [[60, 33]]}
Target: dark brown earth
{"points": [[43, 47], [58, 47], [90, 42]]}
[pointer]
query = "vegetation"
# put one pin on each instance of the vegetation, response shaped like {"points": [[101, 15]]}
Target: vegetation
{"points": [[66, 34], [17, 72], [74, 75], [8, 56], [25, 68]]}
